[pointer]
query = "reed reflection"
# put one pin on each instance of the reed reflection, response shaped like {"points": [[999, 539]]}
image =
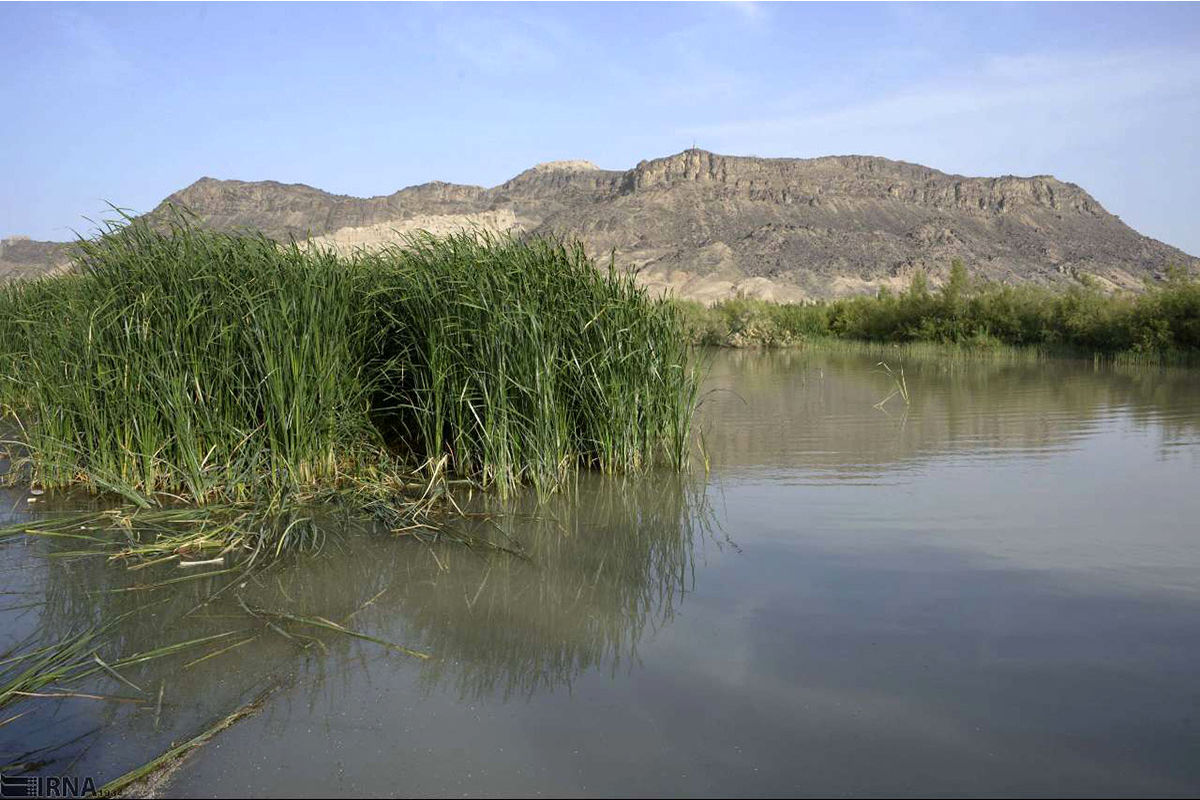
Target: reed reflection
{"points": [[544, 592]]}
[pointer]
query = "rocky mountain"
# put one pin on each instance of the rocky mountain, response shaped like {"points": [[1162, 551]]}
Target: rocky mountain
{"points": [[21, 256], [708, 226]]}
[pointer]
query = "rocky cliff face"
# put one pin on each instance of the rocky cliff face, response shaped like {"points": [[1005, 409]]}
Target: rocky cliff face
{"points": [[708, 226], [831, 226]]}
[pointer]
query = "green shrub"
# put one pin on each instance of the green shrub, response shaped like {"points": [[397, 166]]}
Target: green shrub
{"points": [[1163, 320]]}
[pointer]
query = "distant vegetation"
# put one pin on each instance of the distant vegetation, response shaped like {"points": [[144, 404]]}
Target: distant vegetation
{"points": [[1163, 321], [187, 364]]}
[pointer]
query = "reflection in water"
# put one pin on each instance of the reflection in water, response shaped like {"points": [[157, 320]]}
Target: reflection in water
{"points": [[579, 582], [599, 566], [816, 411]]}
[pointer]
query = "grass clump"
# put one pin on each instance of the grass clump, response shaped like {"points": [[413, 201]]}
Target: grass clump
{"points": [[519, 361], [188, 365], [1162, 323]]}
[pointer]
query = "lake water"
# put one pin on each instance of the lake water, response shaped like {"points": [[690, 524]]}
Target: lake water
{"points": [[992, 591]]}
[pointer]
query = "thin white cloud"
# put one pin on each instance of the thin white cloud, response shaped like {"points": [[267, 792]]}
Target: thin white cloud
{"points": [[1074, 88], [749, 10], [503, 45]]}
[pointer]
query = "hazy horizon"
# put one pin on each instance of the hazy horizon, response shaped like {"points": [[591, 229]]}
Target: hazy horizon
{"points": [[129, 103]]}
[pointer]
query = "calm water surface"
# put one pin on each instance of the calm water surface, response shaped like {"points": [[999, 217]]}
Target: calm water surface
{"points": [[993, 591]]}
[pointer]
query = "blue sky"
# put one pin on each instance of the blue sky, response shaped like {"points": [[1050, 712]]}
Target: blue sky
{"points": [[127, 103]]}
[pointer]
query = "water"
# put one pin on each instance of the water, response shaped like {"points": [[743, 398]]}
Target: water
{"points": [[993, 591]]}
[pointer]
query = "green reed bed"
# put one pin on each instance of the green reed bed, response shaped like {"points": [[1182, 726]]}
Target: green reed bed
{"points": [[186, 366], [185, 363], [216, 397]]}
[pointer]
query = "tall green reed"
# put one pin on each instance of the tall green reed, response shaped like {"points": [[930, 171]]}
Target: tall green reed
{"points": [[186, 362], [203, 366], [518, 361]]}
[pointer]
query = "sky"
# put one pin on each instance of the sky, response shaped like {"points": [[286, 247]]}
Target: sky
{"points": [[127, 103]]}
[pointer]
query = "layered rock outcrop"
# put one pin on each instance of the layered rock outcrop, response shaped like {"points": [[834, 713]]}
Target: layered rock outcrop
{"points": [[709, 226]]}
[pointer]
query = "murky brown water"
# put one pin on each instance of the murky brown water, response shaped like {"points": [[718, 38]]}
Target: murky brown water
{"points": [[994, 591]]}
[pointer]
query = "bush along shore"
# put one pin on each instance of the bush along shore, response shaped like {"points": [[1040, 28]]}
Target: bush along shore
{"points": [[187, 367], [1160, 324]]}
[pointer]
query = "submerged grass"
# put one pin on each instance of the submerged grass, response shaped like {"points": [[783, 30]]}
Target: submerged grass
{"points": [[186, 366]]}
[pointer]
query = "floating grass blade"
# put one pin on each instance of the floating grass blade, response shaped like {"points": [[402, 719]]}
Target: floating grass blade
{"points": [[899, 385], [116, 786], [320, 622]]}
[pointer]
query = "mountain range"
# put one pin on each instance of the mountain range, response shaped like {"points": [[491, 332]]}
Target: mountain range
{"points": [[709, 226]]}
